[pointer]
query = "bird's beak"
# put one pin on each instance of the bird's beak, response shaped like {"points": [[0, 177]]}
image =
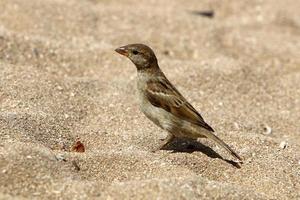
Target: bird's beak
{"points": [[122, 50]]}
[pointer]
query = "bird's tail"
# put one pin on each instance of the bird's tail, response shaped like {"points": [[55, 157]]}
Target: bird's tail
{"points": [[213, 137]]}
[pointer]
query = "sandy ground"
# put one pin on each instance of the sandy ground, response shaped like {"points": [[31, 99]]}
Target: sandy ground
{"points": [[61, 81]]}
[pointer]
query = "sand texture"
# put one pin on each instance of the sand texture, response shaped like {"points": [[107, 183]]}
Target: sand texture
{"points": [[62, 82]]}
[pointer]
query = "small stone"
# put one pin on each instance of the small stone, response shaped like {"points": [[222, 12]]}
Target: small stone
{"points": [[111, 105], [236, 125], [267, 130], [78, 147], [60, 157], [283, 145], [59, 88]]}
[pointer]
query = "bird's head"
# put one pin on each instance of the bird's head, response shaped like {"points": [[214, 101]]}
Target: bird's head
{"points": [[141, 55]]}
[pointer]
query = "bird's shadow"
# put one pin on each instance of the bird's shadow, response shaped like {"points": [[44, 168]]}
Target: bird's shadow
{"points": [[189, 146]]}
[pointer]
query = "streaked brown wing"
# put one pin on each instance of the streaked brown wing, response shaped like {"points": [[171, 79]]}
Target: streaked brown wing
{"points": [[163, 94]]}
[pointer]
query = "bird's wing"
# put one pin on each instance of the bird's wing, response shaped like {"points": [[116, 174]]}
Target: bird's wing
{"points": [[161, 93]]}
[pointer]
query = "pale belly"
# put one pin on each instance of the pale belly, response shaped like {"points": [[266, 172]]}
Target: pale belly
{"points": [[153, 113], [161, 117]]}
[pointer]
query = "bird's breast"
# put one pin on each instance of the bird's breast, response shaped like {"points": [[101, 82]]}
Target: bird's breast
{"points": [[157, 115]]}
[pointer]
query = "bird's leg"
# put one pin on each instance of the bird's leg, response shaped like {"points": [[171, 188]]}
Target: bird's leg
{"points": [[166, 141]]}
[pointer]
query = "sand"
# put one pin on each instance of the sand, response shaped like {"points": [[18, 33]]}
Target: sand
{"points": [[62, 82]]}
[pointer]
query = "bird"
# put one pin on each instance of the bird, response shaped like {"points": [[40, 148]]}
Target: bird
{"points": [[162, 103]]}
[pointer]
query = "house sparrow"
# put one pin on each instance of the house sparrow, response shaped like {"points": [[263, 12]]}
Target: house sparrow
{"points": [[161, 102]]}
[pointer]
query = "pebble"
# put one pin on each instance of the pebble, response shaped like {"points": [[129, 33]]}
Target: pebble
{"points": [[283, 145], [267, 129], [60, 157], [111, 105], [236, 125], [59, 88]]}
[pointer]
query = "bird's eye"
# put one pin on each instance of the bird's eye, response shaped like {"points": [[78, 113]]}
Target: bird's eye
{"points": [[135, 52]]}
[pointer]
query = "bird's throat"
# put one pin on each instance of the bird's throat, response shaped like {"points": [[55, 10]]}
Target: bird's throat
{"points": [[151, 68]]}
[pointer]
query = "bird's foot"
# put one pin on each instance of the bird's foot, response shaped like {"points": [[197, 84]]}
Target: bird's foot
{"points": [[166, 141]]}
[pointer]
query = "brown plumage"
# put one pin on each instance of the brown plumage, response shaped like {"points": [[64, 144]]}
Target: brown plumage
{"points": [[162, 103], [163, 94]]}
